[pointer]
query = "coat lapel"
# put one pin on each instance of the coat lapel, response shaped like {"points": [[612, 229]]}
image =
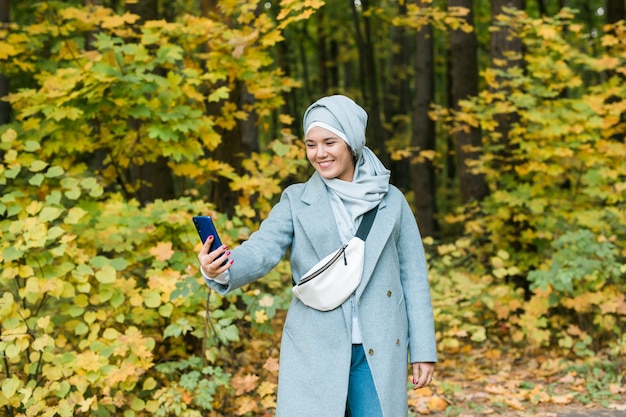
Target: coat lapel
{"points": [[317, 218], [376, 240]]}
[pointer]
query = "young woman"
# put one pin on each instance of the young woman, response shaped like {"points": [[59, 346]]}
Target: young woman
{"points": [[352, 360]]}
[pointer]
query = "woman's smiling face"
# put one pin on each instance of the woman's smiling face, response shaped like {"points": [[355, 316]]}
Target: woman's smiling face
{"points": [[329, 154]]}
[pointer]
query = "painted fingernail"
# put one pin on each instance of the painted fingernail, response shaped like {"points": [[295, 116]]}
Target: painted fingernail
{"points": [[224, 247], [211, 237], [414, 381], [232, 261], [228, 253]]}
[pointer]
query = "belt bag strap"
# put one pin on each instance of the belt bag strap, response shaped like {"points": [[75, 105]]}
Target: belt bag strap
{"points": [[366, 224]]}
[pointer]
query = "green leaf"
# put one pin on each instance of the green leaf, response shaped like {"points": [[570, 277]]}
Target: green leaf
{"points": [[37, 166], [151, 298], [54, 233], [230, 333], [170, 53], [166, 310], [49, 214], [106, 275], [99, 261], [221, 93], [181, 326], [31, 146], [81, 329], [36, 180], [10, 387], [74, 215], [63, 390], [54, 172], [73, 194], [12, 172], [11, 254]]}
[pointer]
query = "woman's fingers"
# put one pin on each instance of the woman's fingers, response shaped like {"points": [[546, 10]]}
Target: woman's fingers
{"points": [[215, 262], [422, 374]]}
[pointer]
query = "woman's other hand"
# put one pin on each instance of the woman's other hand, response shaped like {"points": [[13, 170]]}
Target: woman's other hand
{"points": [[422, 374], [216, 262]]}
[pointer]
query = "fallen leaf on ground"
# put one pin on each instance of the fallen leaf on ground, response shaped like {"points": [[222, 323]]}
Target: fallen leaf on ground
{"points": [[514, 403], [437, 404], [495, 389], [562, 399], [244, 384]]}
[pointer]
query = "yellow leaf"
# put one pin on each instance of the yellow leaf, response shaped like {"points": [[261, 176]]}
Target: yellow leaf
{"points": [[164, 281], [271, 38], [246, 405], [6, 50], [285, 119], [74, 215], [266, 388], [126, 372], [162, 251], [260, 316], [88, 361], [547, 32]]}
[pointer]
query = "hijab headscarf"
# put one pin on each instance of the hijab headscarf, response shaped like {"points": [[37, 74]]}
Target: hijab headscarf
{"points": [[342, 116]]}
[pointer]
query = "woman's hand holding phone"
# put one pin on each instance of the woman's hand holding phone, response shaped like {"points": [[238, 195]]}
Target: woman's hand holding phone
{"points": [[215, 262], [213, 256]]}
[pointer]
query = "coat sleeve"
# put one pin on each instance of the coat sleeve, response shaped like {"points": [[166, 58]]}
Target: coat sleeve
{"points": [[262, 251], [414, 278]]}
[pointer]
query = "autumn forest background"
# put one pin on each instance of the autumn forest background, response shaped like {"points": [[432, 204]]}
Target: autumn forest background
{"points": [[503, 122]]}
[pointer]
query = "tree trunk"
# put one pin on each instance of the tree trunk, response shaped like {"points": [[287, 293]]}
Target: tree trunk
{"points": [[376, 136], [464, 84], [5, 108], [423, 132], [505, 50], [398, 102], [615, 11], [145, 9], [322, 57], [155, 179], [236, 143]]}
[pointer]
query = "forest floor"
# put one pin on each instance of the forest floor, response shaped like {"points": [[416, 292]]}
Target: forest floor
{"points": [[490, 382]]}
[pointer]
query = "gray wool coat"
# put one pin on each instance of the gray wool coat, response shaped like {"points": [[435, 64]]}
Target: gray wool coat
{"points": [[392, 302]]}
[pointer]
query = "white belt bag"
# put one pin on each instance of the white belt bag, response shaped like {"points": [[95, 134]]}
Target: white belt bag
{"points": [[333, 279]]}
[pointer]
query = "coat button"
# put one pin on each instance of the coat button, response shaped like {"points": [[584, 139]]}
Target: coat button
{"points": [[397, 342], [389, 293], [371, 352]]}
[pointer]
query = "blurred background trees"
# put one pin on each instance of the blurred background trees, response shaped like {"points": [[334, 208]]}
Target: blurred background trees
{"points": [[502, 122]]}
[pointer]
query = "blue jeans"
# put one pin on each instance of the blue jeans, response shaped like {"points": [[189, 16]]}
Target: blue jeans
{"points": [[362, 397]]}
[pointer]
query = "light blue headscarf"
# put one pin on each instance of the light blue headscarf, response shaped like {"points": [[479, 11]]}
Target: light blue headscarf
{"points": [[348, 120]]}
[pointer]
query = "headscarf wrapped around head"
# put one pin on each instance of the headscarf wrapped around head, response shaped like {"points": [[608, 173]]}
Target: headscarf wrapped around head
{"points": [[342, 116]]}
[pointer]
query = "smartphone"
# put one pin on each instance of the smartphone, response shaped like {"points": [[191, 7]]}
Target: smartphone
{"points": [[205, 227]]}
